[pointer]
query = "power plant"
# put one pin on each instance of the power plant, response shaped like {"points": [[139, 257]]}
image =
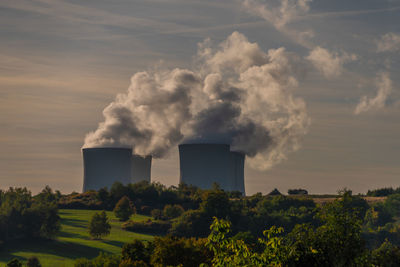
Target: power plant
{"points": [[202, 165], [141, 168], [106, 165]]}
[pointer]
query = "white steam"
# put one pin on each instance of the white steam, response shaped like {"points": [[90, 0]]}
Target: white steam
{"points": [[240, 95], [384, 84], [389, 42], [329, 64]]}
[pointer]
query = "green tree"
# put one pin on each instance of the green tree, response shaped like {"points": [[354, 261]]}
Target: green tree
{"points": [[136, 251], [216, 203], [339, 238], [172, 211], [33, 262], [124, 209], [14, 263], [99, 225], [174, 251], [233, 252], [387, 255]]}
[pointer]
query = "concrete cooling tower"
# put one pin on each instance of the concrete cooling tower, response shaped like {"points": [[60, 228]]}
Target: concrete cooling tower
{"points": [[204, 164], [104, 166], [237, 170], [141, 168]]}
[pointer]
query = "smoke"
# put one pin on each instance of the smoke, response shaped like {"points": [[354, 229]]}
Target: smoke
{"points": [[280, 13], [150, 116], [389, 42], [329, 64], [384, 84], [239, 95]]}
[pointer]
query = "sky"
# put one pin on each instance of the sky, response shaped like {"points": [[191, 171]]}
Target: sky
{"points": [[63, 61]]}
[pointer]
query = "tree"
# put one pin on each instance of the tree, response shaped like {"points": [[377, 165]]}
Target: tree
{"points": [[386, 255], [99, 225], [172, 211], [274, 192], [136, 251], [216, 203], [297, 192], [33, 262], [228, 251], [14, 263], [124, 209], [174, 251]]}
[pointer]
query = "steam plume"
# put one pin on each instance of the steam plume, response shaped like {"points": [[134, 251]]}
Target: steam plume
{"points": [[240, 95], [384, 84]]}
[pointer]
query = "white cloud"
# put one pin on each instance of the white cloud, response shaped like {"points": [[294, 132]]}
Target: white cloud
{"points": [[384, 84], [282, 13], [389, 42], [329, 64]]}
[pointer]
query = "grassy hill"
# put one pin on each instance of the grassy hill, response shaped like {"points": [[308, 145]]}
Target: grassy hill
{"points": [[73, 241]]}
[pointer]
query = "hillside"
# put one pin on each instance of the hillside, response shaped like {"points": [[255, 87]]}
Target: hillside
{"points": [[73, 241]]}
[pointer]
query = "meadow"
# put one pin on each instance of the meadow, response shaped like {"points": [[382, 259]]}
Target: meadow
{"points": [[73, 241]]}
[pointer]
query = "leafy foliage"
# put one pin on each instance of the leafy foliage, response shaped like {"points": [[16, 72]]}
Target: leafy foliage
{"points": [[99, 225], [100, 261], [33, 262], [124, 209], [14, 263], [22, 216]]}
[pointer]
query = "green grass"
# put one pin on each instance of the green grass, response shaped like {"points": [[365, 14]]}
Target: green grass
{"points": [[73, 241]]}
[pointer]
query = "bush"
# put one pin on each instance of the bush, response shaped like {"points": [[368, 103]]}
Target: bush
{"points": [[33, 262], [157, 214], [99, 225], [386, 255], [14, 263], [124, 209], [103, 260]]}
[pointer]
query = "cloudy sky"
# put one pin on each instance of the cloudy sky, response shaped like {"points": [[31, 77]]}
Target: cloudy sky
{"points": [[64, 61]]}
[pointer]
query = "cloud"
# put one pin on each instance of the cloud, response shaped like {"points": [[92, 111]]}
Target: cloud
{"points": [[239, 95], [280, 14], [384, 84], [389, 42], [329, 64]]}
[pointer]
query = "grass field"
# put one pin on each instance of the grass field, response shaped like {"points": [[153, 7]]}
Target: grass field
{"points": [[73, 241]]}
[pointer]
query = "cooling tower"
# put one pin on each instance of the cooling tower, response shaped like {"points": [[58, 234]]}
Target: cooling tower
{"points": [[237, 171], [203, 164], [104, 166], [141, 168]]}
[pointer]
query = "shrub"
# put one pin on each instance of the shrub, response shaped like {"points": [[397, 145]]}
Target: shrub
{"points": [[14, 263], [157, 214], [33, 262], [103, 260]]}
